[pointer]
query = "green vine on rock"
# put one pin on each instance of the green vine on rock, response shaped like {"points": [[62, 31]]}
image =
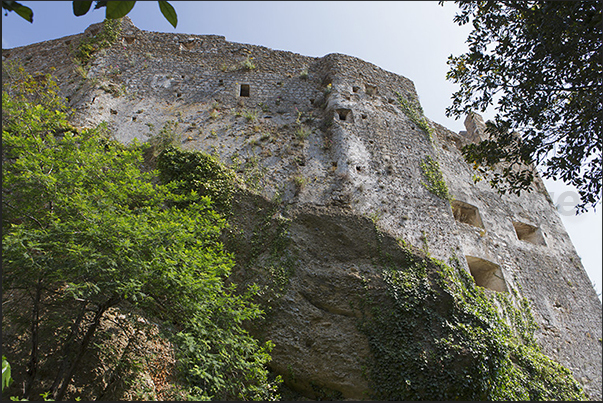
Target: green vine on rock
{"points": [[104, 39], [415, 113], [271, 239], [435, 335], [435, 179]]}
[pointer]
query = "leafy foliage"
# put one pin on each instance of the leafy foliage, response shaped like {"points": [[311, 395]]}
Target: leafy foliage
{"points": [[437, 336], [89, 46], [6, 376], [220, 360], [21, 10], [83, 223], [157, 143], [248, 64], [542, 63], [414, 111], [435, 179], [114, 9], [198, 172]]}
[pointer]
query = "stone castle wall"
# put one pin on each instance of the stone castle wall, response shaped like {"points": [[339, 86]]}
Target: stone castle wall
{"points": [[329, 132]]}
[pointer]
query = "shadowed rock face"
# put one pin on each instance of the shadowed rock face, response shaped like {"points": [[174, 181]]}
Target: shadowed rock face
{"points": [[335, 262], [329, 156], [313, 323]]}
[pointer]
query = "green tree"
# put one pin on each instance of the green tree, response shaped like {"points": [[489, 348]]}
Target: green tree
{"points": [[541, 62], [113, 9], [84, 226]]}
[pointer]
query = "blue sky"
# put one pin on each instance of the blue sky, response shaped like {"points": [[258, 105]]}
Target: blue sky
{"points": [[413, 39]]}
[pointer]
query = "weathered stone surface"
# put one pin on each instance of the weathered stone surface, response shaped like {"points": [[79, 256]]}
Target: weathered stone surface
{"points": [[332, 153]]}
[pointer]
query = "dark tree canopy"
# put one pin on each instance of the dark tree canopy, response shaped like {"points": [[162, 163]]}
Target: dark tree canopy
{"points": [[541, 63]]}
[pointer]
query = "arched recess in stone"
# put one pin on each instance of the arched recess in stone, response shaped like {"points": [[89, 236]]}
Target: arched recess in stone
{"points": [[528, 233], [487, 274], [344, 114], [466, 213], [371, 89]]}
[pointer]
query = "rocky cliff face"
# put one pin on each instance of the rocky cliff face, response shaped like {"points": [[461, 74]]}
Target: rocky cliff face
{"points": [[339, 174]]}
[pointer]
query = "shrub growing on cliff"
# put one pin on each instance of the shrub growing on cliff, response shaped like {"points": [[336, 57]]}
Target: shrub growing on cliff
{"points": [[195, 172], [89, 46], [84, 230], [248, 64]]}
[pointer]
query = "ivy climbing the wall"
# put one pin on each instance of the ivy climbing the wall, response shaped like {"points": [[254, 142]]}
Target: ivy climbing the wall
{"points": [[437, 336], [415, 113], [430, 167], [435, 182], [105, 38]]}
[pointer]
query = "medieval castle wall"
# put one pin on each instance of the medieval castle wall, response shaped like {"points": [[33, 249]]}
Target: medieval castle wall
{"points": [[329, 132]]}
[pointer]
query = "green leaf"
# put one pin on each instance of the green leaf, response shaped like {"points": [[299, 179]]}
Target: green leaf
{"points": [[20, 9], [168, 12], [6, 377], [118, 9], [81, 7]]}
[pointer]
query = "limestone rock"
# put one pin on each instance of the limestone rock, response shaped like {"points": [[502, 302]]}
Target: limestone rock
{"points": [[326, 148]]}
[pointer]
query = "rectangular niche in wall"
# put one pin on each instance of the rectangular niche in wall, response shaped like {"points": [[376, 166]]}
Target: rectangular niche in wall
{"points": [[189, 45], [528, 233], [487, 274], [466, 213], [344, 114], [244, 90]]}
